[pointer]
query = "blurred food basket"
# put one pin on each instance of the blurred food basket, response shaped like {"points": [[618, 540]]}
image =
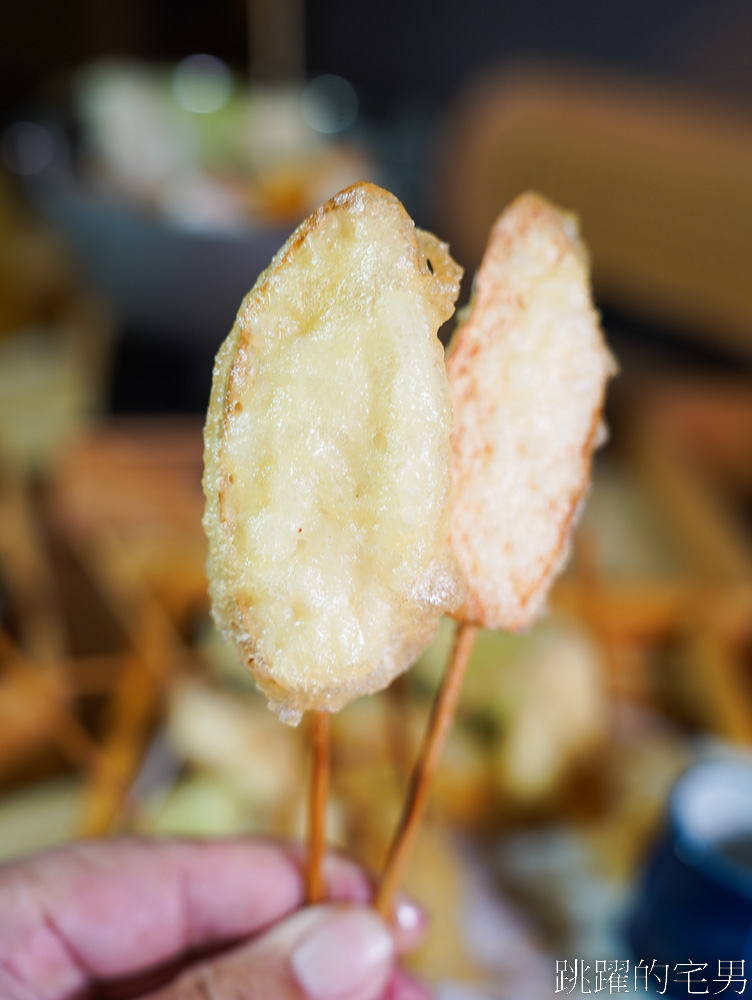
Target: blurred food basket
{"points": [[661, 179]]}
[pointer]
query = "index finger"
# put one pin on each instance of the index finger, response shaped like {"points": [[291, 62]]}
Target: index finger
{"points": [[93, 911]]}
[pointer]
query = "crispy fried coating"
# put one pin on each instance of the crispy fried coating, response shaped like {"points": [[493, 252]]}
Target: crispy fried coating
{"points": [[327, 457], [527, 367]]}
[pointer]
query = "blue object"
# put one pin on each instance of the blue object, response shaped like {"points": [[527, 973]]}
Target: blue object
{"points": [[694, 903]]}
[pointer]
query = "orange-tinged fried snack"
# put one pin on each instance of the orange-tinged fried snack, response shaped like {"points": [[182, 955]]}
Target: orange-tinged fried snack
{"points": [[527, 368]]}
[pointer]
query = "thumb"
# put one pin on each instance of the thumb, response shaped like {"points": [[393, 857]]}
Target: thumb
{"points": [[338, 952]]}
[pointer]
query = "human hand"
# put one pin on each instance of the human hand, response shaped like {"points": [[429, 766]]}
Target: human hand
{"points": [[194, 920]]}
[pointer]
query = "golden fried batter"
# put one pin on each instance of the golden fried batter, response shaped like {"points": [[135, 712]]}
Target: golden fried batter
{"points": [[327, 458]]}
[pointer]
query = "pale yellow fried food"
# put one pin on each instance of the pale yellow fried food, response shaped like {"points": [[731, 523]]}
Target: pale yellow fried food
{"points": [[327, 457], [527, 370]]}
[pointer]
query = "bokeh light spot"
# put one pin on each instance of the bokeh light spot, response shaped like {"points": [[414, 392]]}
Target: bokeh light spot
{"points": [[329, 103], [201, 84]]}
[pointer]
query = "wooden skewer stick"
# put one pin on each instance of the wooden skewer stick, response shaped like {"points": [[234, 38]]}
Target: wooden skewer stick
{"points": [[442, 715], [319, 794]]}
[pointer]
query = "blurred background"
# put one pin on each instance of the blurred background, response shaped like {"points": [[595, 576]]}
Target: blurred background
{"points": [[153, 157]]}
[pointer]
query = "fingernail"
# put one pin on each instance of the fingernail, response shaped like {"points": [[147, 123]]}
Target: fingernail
{"points": [[408, 923], [408, 917], [349, 948]]}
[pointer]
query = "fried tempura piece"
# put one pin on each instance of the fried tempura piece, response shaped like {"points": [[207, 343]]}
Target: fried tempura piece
{"points": [[527, 372], [327, 458]]}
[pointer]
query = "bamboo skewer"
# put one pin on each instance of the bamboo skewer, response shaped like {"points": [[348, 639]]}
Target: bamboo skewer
{"points": [[319, 794], [442, 714]]}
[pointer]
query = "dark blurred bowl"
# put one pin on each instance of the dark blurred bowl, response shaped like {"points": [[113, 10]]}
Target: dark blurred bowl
{"points": [[175, 283], [695, 899]]}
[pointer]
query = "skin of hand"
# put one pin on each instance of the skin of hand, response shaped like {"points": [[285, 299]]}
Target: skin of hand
{"points": [[195, 920]]}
